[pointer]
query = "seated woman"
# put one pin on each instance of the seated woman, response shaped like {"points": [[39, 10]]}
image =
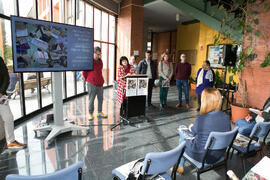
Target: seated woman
{"points": [[211, 118], [124, 70], [246, 125]]}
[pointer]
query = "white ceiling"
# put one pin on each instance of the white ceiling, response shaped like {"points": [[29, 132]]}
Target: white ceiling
{"points": [[161, 16]]}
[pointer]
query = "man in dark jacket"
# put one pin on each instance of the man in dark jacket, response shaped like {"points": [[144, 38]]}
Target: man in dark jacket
{"points": [[147, 66], [6, 116]]}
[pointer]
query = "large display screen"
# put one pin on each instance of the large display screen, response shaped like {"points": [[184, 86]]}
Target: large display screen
{"points": [[45, 46]]}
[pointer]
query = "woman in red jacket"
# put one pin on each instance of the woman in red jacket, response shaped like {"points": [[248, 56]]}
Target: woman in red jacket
{"points": [[124, 70]]}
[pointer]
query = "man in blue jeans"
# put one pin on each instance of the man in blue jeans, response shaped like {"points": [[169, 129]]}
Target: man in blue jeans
{"points": [[183, 71]]}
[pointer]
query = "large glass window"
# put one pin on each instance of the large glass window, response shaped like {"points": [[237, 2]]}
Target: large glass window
{"points": [[105, 21], [89, 15], [97, 24], [70, 11], [27, 8], [111, 64], [104, 49], [58, 12], [7, 7], [80, 13], [62, 11], [112, 29], [46, 88], [44, 10], [70, 83]]}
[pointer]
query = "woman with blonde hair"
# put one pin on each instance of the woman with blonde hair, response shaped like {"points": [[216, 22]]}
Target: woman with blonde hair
{"points": [[211, 118], [165, 69]]}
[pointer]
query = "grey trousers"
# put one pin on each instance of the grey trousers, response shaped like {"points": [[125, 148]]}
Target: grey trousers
{"points": [[94, 91], [6, 123]]}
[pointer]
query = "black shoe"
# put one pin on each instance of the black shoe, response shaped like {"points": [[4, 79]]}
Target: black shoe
{"points": [[150, 105]]}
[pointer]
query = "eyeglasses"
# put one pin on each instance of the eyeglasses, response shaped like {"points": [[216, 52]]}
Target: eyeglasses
{"points": [[98, 54]]}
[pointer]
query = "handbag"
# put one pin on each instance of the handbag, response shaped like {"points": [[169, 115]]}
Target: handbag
{"points": [[135, 172], [157, 82]]}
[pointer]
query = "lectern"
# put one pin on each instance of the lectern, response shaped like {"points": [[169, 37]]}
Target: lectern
{"points": [[134, 104]]}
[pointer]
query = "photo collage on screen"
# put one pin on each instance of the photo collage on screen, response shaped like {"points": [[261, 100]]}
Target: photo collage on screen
{"points": [[40, 46]]}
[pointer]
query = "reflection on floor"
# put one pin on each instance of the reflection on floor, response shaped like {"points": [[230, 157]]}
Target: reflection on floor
{"points": [[101, 149]]}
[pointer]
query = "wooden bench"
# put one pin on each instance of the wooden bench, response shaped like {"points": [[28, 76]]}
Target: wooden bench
{"points": [[32, 84]]}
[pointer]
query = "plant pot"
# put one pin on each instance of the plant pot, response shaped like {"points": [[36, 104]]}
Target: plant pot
{"points": [[192, 86], [238, 112]]}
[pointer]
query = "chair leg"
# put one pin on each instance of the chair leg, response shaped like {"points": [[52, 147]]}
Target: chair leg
{"points": [[198, 175], [232, 154], [261, 154], [15, 94], [226, 169], [243, 165]]}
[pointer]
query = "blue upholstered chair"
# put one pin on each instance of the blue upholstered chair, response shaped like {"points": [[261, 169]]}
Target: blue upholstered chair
{"points": [[73, 172], [215, 141], [154, 163], [260, 130]]}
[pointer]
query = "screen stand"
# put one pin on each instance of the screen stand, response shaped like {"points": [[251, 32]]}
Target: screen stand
{"points": [[59, 126]]}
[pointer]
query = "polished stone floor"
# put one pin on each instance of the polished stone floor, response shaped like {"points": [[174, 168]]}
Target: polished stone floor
{"points": [[101, 149]]}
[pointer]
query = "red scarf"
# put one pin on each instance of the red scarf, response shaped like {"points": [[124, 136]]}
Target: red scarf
{"points": [[168, 64]]}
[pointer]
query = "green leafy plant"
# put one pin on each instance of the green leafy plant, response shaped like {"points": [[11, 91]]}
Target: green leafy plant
{"points": [[192, 80], [244, 24], [217, 78]]}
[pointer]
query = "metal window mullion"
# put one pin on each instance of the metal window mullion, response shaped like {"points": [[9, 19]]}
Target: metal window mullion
{"points": [[84, 21], [75, 23], [39, 95], [108, 49], [22, 95], [100, 26], [115, 40], [65, 84], [64, 73], [17, 7], [21, 83]]}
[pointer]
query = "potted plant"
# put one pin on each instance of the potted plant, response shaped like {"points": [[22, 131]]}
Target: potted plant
{"points": [[246, 25], [192, 83], [218, 81]]}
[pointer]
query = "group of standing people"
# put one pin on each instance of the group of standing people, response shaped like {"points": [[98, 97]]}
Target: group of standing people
{"points": [[146, 66], [205, 77]]}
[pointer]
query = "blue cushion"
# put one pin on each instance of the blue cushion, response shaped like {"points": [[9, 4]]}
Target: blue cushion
{"points": [[69, 173], [199, 164], [244, 149]]}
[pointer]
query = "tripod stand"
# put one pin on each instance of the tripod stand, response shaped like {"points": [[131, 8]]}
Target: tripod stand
{"points": [[122, 121], [226, 90], [131, 107]]}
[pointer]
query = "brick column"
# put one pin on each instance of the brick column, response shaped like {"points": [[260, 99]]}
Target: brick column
{"points": [[258, 79], [130, 29]]}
